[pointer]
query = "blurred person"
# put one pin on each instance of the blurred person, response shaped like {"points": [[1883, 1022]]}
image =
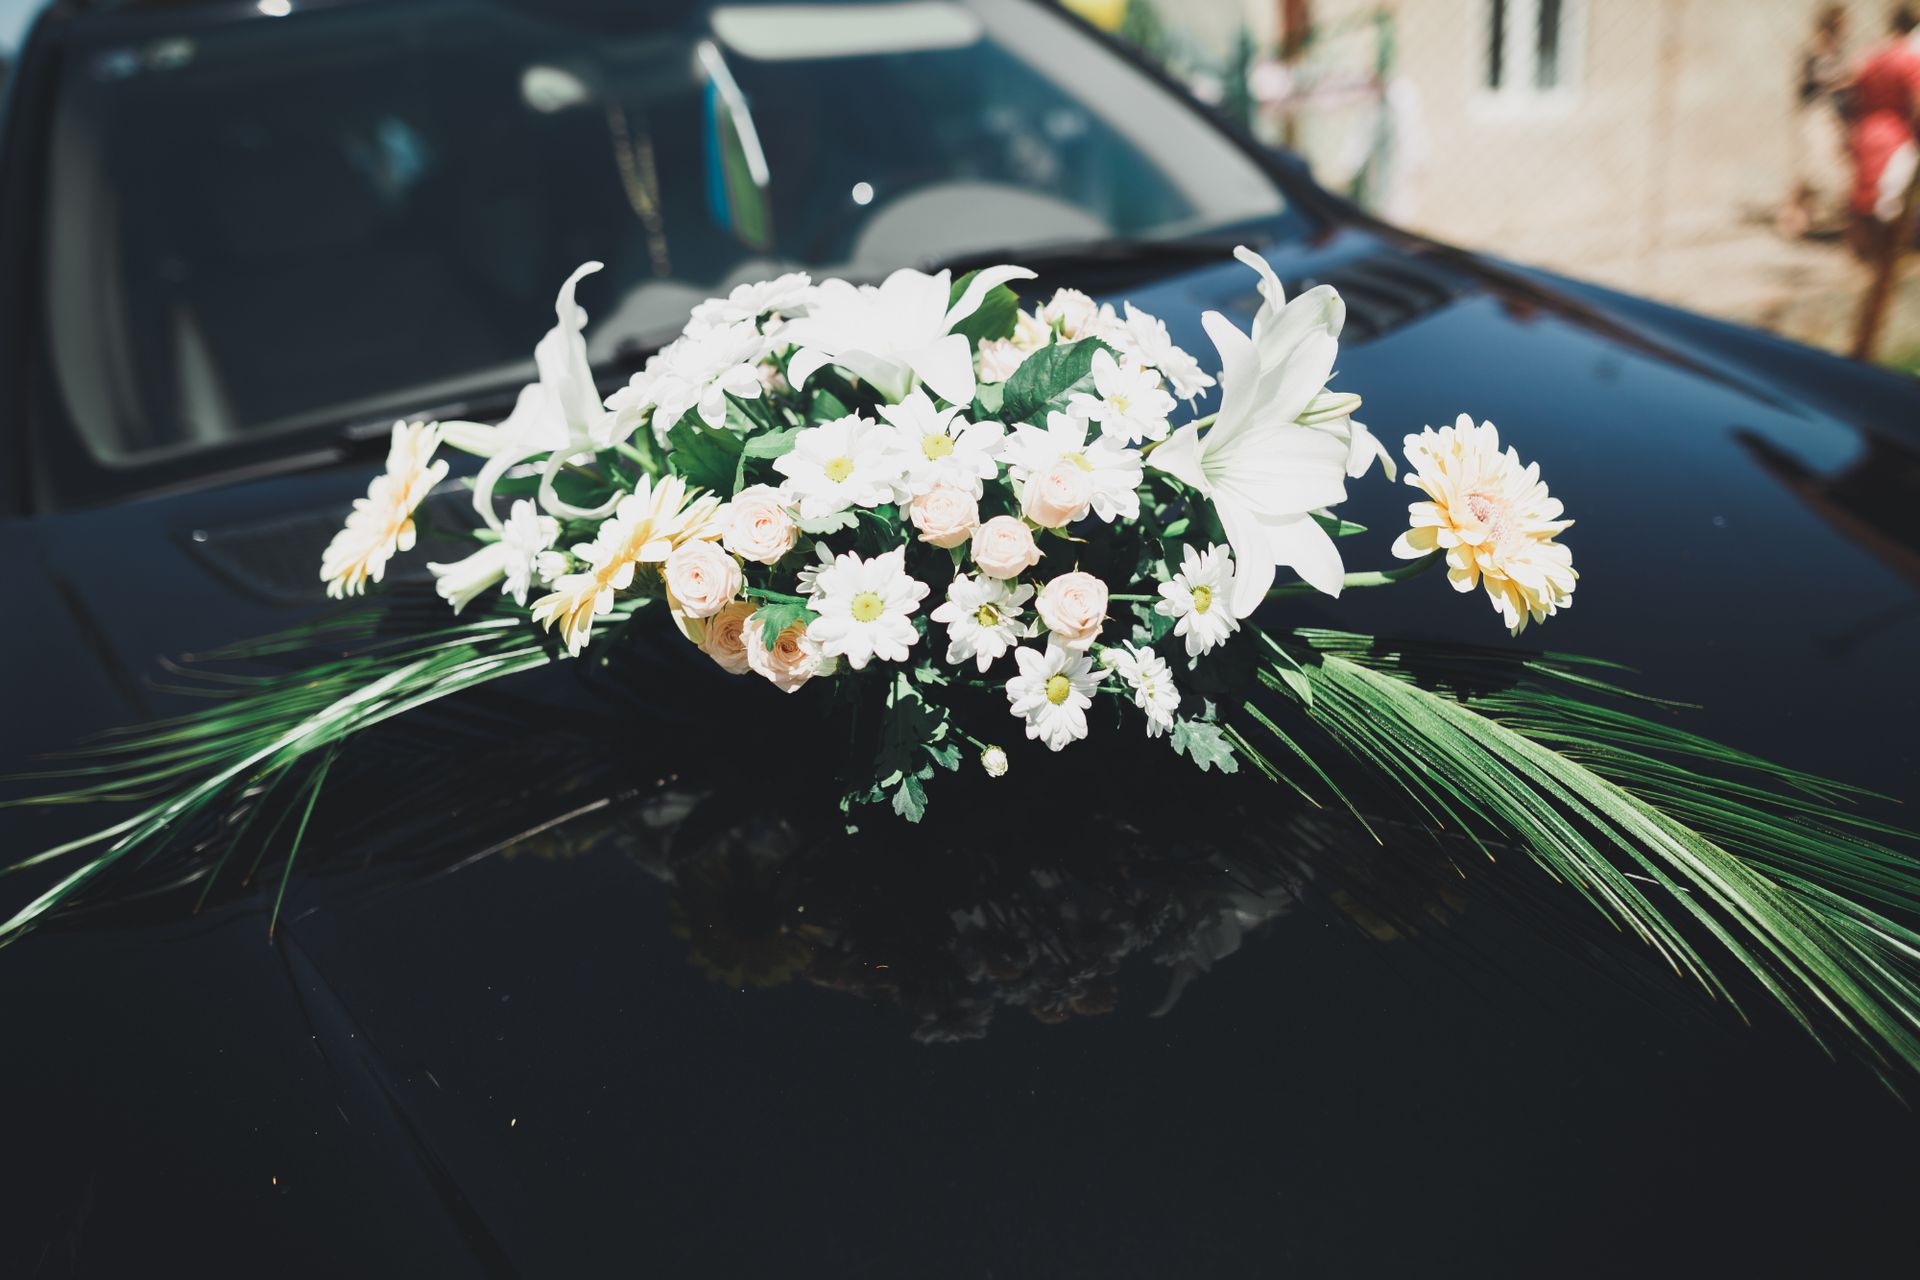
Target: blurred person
{"points": [[1885, 107], [1820, 132]]}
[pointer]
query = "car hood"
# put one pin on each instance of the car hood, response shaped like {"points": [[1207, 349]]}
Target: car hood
{"points": [[490, 1053]]}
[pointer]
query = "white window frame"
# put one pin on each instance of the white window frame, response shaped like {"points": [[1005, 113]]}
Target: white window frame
{"points": [[1518, 94]]}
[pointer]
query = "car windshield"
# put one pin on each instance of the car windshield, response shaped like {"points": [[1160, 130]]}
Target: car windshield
{"points": [[278, 222]]}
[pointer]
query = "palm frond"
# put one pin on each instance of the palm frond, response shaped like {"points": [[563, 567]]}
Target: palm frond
{"points": [[1651, 824]]}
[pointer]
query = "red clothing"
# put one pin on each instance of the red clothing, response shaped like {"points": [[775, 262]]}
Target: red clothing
{"points": [[1886, 92]]}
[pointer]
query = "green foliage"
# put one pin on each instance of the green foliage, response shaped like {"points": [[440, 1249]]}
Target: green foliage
{"points": [[1337, 527], [776, 616], [1204, 744], [1635, 816], [916, 738], [995, 317], [703, 456], [1047, 377]]}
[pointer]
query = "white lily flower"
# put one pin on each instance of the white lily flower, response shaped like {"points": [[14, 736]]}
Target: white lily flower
{"points": [[896, 333], [1262, 471], [557, 415], [1280, 326]]}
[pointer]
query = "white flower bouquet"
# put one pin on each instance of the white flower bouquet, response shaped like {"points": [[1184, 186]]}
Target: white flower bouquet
{"points": [[945, 516]]}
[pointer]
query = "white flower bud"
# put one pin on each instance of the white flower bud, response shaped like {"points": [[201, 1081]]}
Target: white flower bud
{"points": [[994, 761]]}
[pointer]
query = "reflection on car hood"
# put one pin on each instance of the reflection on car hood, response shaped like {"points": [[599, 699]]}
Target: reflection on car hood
{"points": [[557, 997]]}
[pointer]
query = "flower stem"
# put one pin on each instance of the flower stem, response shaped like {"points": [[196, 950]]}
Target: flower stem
{"points": [[1368, 578]]}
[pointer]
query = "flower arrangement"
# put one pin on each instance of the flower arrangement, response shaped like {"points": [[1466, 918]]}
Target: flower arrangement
{"points": [[944, 515], [920, 485]]}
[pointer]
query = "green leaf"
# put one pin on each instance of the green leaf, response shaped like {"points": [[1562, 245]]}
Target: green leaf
{"points": [[910, 798], [1047, 376], [826, 406], [987, 400], [776, 616], [1337, 527], [1206, 745], [704, 457], [772, 444], [995, 317]]}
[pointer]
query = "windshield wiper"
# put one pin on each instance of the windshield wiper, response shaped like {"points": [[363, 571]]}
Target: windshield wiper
{"points": [[1115, 253]]}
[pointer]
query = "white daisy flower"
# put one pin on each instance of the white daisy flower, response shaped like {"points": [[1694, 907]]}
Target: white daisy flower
{"points": [[781, 296], [1199, 599], [938, 447], [809, 575], [1114, 471], [1052, 693], [1144, 338], [848, 462], [865, 608], [1129, 405], [1151, 680], [696, 371], [984, 618]]}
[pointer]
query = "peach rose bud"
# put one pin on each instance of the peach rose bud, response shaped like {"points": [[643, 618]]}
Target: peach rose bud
{"points": [[758, 526], [945, 516], [1003, 547], [791, 661], [725, 638], [702, 578], [1074, 607], [1058, 496]]}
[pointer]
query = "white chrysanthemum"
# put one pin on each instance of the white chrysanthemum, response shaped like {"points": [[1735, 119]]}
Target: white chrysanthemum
{"points": [[1115, 472], [696, 371], [644, 529], [848, 462], [1143, 338], [938, 447], [525, 536], [809, 575], [1128, 402], [1494, 519], [508, 562], [781, 296], [984, 617], [381, 524], [1151, 680], [1200, 599], [866, 608], [1052, 693]]}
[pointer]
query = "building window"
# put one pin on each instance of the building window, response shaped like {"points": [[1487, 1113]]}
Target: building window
{"points": [[1533, 47]]}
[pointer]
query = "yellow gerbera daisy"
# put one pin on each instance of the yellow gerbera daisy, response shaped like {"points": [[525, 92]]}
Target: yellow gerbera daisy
{"points": [[381, 524], [1493, 518], [644, 529]]}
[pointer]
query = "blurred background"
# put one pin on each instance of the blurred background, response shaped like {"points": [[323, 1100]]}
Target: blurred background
{"points": [[1691, 150]]}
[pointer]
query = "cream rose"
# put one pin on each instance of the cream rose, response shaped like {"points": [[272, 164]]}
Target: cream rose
{"points": [[702, 578], [758, 525], [792, 661], [997, 359], [1072, 312], [945, 516], [1058, 496], [1074, 606], [1003, 547], [724, 638]]}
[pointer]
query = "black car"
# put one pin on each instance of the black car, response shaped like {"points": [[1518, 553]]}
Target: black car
{"points": [[554, 991]]}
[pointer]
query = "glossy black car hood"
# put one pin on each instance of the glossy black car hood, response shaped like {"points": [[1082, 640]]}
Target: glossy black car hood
{"points": [[471, 1048]]}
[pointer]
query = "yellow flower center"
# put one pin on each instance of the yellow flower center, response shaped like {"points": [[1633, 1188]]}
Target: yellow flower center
{"points": [[1119, 404], [1058, 689], [838, 469], [936, 446], [987, 616], [867, 605], [1080, 460], [1202, 599]]}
